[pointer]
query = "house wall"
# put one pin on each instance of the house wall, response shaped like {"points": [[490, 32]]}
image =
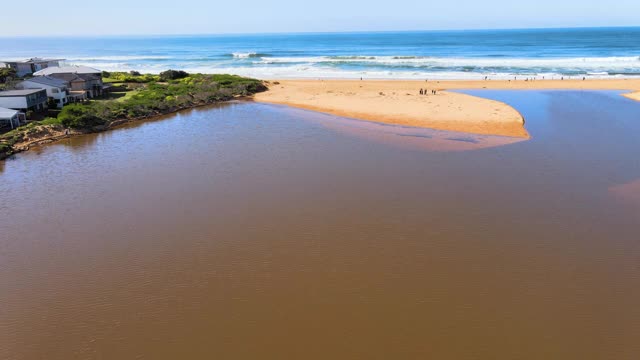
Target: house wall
{"points": [[16, 102], [37, 100], [23, 69], [12, 121], [78, 85], [58, 94], [43, 65]]}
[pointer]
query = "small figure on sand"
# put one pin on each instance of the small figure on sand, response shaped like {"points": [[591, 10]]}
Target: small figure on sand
{"points": [[421, 92]]}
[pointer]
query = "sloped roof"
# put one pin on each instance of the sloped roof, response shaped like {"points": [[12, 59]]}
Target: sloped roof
{"points": [[10, 93], [48, 80], [7, 113], [67, 69]]}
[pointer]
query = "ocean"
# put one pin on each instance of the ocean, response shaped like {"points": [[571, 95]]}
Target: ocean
{"points": [[497, 54]]}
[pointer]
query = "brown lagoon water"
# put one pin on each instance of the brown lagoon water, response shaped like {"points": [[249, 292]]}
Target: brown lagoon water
{"points": [[252, 231]]}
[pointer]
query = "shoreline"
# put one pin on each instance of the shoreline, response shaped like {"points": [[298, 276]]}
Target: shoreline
{"points": [[57, 133], [395, 105], [398, 102], [155, 96]]}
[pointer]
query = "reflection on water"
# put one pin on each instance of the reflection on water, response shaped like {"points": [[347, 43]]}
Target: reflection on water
{"points": [[405, 136], [257, 231], [629, 191]]}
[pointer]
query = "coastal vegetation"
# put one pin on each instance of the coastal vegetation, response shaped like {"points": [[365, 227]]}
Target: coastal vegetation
{"points": [[7, 78], [7, 74], [128, 77], [159, 94]]}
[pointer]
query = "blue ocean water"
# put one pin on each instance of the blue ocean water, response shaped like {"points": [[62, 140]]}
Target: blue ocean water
{"points": [[591, 52]]}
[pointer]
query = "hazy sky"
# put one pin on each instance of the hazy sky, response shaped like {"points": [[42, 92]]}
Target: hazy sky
{"points": [[115, 17]]}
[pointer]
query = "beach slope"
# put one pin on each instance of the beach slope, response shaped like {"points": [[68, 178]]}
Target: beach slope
{"points": [[399, 103], [633, 95]]}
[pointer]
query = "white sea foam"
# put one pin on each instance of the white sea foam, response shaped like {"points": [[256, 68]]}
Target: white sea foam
{"points": [[310, 72], [608, 63], [320, 68], [118, 58], [244, 55]]}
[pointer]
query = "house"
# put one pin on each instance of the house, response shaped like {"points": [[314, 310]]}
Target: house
{"points": [[11, 117], [24, 100], [57, 89], [30, 66], [80, 78]]}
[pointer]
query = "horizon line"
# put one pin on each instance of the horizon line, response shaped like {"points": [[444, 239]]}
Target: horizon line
{"points": [[314, 32]]}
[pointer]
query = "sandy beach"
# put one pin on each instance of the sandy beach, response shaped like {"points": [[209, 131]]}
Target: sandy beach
{"points": [[400, 103]]}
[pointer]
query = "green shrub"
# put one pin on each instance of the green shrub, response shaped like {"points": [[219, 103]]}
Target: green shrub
{"points": [[173, 75], [80, 116], [50, 121], [5, 148]]}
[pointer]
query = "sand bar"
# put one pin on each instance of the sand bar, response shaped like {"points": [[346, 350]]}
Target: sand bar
{"points": [[399, 102]]}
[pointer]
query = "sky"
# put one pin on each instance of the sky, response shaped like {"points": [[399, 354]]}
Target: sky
{"points": [[144, 17]]}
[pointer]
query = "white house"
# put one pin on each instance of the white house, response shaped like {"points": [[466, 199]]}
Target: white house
{"points": [[30, 66], [11, 117], [24, 100], [57, 89], [80, 78]]}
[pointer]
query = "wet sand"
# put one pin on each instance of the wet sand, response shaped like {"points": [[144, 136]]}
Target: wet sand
{"points": [[400, 102], [633, 95]]}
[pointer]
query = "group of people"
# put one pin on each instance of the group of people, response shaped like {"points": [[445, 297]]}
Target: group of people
{"points": [[425, 92]]}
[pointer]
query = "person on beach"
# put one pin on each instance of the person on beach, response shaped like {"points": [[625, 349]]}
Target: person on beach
{"points": [[421, 92]]}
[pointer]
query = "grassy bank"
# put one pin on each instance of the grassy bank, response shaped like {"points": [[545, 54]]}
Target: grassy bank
{"points": [[154, 95]]}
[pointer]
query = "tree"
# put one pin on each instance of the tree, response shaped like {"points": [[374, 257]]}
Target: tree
{"points": [[7, 74]]}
